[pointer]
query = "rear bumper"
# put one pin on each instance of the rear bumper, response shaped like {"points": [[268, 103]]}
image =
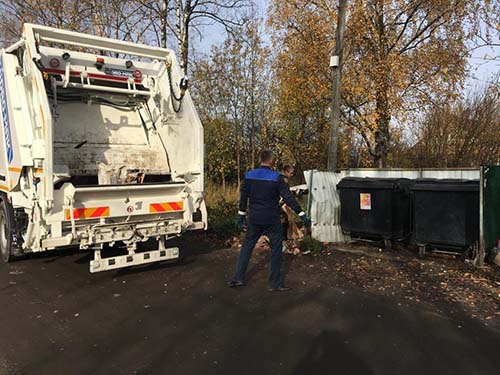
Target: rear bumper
{"points": [[106, 264], [137, 231], [95, 233]]}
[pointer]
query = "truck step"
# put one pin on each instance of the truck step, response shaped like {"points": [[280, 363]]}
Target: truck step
{"points": [[106, 264]]}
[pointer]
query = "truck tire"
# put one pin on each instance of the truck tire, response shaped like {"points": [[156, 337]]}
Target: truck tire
{"points": [[6, 228]]}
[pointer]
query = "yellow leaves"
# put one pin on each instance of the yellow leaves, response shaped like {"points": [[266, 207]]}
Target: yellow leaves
{"points": [[389, 71]]}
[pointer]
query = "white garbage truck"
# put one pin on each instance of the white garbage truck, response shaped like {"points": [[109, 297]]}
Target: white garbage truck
{"points": [[101, 146]]}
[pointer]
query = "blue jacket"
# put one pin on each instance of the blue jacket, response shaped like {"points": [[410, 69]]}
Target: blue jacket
{"points": [[262, 188]]}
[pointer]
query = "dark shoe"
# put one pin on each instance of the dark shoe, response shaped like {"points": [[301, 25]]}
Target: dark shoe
{"points": [[235, 284], [279, 289]]}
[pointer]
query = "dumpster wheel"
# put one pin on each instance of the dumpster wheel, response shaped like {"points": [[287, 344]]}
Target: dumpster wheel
{"points": [[422, 249], [388, 244], [472, 253]]}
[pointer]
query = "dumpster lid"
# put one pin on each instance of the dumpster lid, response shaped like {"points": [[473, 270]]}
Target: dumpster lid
{"points": [[373, 183], [435, 184]]}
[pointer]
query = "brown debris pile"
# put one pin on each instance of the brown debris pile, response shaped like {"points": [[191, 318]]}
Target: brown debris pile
{"points": [[289, 246]]}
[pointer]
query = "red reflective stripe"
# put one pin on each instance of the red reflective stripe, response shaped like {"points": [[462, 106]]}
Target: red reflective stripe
{"points": [[157, 207], [85, 213], [99, 211], [78, 212], [175, 206], [166, 207]]}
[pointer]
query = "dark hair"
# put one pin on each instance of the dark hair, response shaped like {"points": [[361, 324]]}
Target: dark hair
{"points": [[288, 168], [266, 156]]}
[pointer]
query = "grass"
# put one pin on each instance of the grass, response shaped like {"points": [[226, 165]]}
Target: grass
{"points": [[215, 193], [310, 244], [222, 207]]}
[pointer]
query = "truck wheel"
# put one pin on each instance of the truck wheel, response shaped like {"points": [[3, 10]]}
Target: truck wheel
{"points": [[6, 226]]}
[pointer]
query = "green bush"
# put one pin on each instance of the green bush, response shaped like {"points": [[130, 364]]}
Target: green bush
{"points": [[310, 244], [222, 214]]}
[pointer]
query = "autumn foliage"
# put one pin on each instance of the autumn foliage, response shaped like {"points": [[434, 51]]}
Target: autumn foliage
{"points": [[268, 83], [400, 56]]}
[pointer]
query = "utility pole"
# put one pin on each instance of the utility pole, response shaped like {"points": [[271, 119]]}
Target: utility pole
{"points": [[336, 65]]}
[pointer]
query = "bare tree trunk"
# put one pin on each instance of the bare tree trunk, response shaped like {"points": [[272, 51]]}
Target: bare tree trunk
{"points": [[96, 11], [22, 17], [97, 19], [184, 47], [178, 24], [382, 141], [183, 16], [238, 152], [252, 108], [383, 133], [163, 23], [203, 9], [252, 152]]}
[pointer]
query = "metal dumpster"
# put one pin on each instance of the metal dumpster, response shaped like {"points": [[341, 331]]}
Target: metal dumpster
{"points": [[375, 207], [446, 214]]}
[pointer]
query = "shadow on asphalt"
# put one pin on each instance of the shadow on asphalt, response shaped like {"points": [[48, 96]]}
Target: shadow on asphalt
{"points": [[123, 272], [330, 353], [263, 264], [186, 321]]}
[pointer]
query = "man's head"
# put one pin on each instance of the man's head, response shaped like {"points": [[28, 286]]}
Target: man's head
{"points": [[267, 158], [288, 171]]}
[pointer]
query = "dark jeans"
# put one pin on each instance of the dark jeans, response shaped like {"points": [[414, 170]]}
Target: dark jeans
{"points": [[275, 234]]}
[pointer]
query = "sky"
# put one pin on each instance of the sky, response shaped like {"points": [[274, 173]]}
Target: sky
{"points": [[484, 66], [215, 34], [484, 62]]}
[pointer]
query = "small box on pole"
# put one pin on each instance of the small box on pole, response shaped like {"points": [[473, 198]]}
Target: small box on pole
{"points": [[334, 61]]}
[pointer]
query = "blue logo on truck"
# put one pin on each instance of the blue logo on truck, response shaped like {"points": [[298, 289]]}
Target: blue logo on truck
{"points": [[5, 113]]}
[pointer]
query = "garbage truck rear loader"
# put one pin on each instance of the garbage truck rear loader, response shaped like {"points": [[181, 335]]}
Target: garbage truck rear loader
{"points": [[101, 145]]}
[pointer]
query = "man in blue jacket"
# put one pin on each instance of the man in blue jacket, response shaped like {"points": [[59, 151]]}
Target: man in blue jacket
{"points": [[261, 191]]}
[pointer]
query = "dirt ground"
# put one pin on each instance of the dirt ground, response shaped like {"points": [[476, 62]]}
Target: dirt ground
{"points": [[436, 278], [355, 311]]}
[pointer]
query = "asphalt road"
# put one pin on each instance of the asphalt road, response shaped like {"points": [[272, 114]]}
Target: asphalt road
{"points": [[57, 318]]}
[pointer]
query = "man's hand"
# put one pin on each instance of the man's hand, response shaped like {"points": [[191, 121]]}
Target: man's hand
{"points": [[241, 221], [305, 219]]}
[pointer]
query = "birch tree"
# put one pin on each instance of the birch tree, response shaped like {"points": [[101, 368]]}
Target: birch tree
{"points": [[232, 96], [191, 16]]}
